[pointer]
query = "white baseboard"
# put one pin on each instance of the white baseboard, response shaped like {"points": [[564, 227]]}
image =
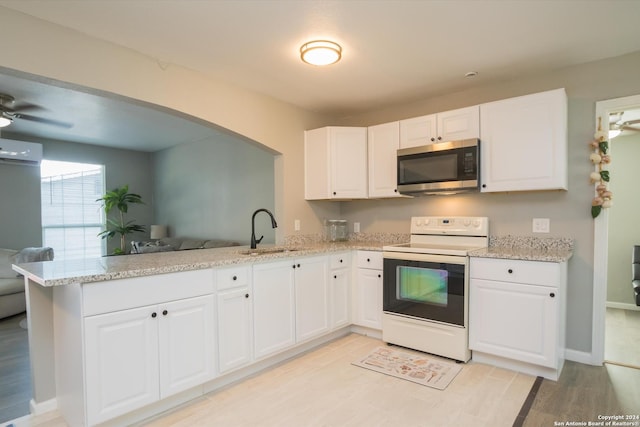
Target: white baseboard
{"points": [[42, 407], [578, 356], [622, 305]]}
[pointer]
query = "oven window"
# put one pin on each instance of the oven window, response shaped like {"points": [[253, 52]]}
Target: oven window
{"points": [[423, 285]]}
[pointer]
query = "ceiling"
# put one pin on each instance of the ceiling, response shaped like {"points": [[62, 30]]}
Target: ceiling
{"points": [[394, 51]]}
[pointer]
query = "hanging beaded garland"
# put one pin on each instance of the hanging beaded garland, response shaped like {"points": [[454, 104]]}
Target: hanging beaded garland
{"points": [[601, 177]]}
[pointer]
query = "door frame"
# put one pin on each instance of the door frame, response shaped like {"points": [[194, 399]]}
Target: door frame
{"points": [[601, 240]]}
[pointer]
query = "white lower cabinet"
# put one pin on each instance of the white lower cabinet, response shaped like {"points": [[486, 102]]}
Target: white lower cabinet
{"points": [[340, 290], [517, 312], [273, 307], [368, 290], [135, 357], [290, 303], [234, 311], [311, 297]]}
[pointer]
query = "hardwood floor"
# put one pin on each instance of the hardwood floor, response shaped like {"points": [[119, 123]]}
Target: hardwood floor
{"points": [[15, 372], [322, 388]]}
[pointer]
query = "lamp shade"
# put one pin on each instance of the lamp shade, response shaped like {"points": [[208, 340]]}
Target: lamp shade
{"points": [[158, 231]]}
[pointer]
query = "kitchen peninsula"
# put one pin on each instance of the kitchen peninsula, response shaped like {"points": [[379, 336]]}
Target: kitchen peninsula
{"points": [[118, 339], [115, 340]]}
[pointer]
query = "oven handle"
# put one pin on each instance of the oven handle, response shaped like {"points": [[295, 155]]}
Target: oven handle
{"points": [[408, 256]]}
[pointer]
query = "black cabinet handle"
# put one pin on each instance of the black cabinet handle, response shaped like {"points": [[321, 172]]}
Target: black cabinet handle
{"points": [[246, 295], [298, 265], [154, 314], [433, 139], [395, 190], [294, 266], [334, 193], [439, 138], [165, 312], [335, 276], [509, 271], [379, 275], [341, 261], [484, 185], [552, 295], [234, 278], [368, 260]]}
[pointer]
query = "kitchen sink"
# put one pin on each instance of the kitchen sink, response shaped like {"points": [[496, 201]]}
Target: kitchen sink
{"points": [[265, 251]]}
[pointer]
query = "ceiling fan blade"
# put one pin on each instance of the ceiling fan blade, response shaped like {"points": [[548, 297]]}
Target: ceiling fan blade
{"points": [[42, 120], [25, 107]]}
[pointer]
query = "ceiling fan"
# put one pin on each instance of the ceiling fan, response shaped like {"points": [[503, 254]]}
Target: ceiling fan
{"points": [[618, 125], [9, 113]]}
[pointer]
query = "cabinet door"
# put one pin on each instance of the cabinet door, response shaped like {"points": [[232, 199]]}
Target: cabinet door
{"points": [[273, 307], [340, 291], [234, 328], [456, 125], [311, 297], [348, 162], [383, 142], [186, 343], [121, 362], [317, 179], [369, 298], [514, 321], [418, 131], [524, 143]]}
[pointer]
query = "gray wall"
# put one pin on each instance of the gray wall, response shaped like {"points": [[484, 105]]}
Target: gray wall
{"points": [[210, 188], [511, 213], [624, 230], [22, 226], [19, 206]]}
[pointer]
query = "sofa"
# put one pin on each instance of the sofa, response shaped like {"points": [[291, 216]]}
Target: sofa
{"points": [[169, 244], [12, 297]]}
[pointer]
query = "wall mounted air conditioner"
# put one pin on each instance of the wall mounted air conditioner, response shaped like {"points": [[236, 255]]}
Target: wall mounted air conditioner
{"points": [[20, 152]]}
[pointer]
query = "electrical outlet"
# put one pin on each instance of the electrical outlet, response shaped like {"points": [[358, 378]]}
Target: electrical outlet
{"points": [[541, 225], [296, 225], [356, 227]]}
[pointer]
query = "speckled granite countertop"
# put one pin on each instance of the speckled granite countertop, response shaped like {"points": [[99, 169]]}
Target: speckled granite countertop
{"points": [[526, 248], [56, 273]]}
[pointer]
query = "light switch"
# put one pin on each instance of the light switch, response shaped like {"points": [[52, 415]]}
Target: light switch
{"points": [[296, 225], [541, 225], [356, 227]]}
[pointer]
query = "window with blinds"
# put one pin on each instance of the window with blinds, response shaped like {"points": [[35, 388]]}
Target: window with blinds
{"points": [[71, 216]]}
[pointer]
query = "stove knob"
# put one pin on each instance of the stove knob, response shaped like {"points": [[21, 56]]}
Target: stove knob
{"points": [[466, 222], [418, 222], [476, 223], [427, 221]]}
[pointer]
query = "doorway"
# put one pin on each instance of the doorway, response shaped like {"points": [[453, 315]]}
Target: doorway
{"points": [[602, 237]]}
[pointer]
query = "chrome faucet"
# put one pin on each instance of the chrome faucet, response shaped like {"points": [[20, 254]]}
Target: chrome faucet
{"points": [[274, 224]]}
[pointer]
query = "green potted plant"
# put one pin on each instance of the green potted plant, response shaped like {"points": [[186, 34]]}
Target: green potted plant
{"points": [[119, 198]]}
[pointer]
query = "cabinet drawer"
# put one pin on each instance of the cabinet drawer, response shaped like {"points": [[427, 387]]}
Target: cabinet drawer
{"points": [[342, 260], [370, 259], [122, 294], [227, 278], [504, 270]]}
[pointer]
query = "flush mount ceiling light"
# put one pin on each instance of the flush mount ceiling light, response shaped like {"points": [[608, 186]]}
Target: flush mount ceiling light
{"points": [[320, 52]]}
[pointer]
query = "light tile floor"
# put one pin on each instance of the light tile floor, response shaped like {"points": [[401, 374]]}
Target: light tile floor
{"points": [[322, 388], [622, 337]]}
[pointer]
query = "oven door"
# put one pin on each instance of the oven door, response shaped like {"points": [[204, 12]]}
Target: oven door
{"points": [[427, 287]]}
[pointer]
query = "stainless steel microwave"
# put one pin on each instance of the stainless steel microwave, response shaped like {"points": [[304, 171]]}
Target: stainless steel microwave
{"points": [[438, 168]]}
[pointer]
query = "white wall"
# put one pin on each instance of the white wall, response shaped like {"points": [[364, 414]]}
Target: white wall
{"points": [[624, 224], [210, 189]]}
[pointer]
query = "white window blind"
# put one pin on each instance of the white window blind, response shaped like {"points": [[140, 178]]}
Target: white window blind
{"points": [[71, 216]]}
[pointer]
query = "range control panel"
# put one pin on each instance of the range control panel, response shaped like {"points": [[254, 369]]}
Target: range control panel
{"points": [[452, 225]]}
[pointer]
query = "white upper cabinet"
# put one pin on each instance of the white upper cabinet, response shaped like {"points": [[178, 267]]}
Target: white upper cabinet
{"points": [[454, 125], [524, 143], [383, 142], [335, 163]]}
